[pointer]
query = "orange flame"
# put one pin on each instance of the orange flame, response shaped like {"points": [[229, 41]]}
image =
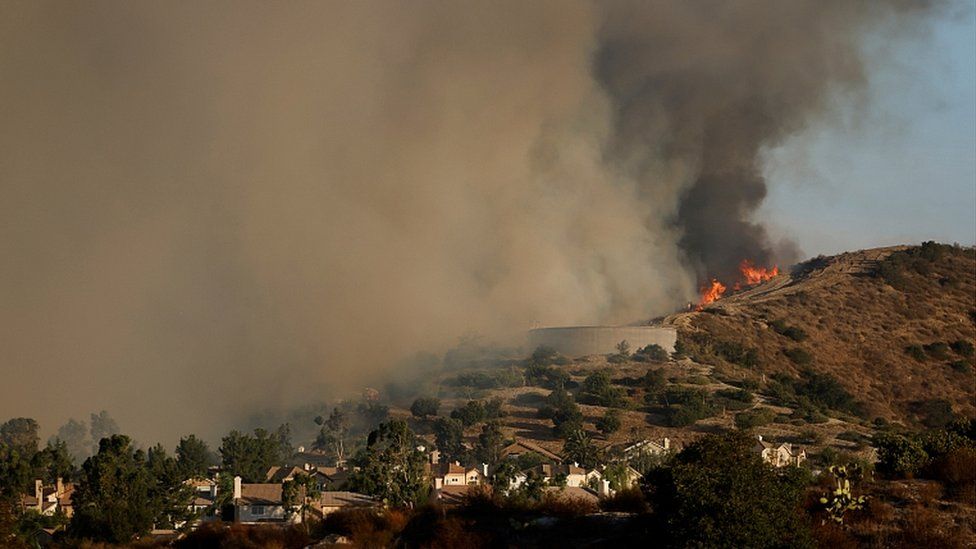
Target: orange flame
{"points": [[754, 275], [751, 275], [710, 293]]}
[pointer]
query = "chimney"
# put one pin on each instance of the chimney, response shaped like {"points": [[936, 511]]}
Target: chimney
{"points": [[667, 443], [435, 457], [39, 493], [438, 483], [59, 486], [237, 487], [484, 469], [759, 437], [605, 488]]}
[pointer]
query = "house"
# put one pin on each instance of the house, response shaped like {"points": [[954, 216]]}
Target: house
{"points": [[779, 455], [204, 496], [455, 474], [330, 502], [521, 447], [453, 496], [279, 475], [574, 475], [642, 448], [48, 500], [260, 502]]}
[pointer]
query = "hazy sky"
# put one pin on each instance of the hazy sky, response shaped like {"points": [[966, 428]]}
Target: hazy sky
{"points": [[900, 167]]}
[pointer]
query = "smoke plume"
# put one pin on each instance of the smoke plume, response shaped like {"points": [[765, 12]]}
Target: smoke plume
{"points": [[210, 208]]}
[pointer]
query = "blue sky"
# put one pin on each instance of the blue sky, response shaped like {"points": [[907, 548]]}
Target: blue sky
{"points": [[894, 165]]}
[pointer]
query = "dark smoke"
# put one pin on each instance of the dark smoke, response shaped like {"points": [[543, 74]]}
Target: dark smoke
{"points": [[701, 89]]}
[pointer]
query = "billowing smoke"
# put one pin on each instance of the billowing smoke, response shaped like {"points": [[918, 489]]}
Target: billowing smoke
{"points": [[701, 89], [213, 208]]}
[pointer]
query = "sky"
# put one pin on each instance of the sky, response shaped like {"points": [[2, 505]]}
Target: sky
{"points": [[898, 168]]}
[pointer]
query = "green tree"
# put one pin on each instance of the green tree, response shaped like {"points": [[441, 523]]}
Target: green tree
{"points": [[579, 448], [102, 426], [193, 457], [113, 501], [449, 437], [20, 433], [491, 442], [391, 467], [598, 389], [249, 456], [472, 413], [300, 492], [57, 461], [899, 455], [332, 435], [610, 422], [719, 493], [425, 406], [169, 495]]}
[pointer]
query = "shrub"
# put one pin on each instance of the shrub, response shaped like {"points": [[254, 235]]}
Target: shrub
{"points": [[754, 418], [792, 332], [916, 352], [960, 366], [598, 390], [898, 455], [798, 356], [473, 412], [651, 353], [933, 413], [736, 353], [425, 406], [609, 423], [937, 350], [962, 348]]}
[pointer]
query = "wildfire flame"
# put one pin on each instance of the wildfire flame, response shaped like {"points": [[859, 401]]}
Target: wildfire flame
{"points": [[751, 275], [710, 293]]}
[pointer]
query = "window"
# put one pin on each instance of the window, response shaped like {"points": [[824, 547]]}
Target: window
{"points": [[257, 510]]}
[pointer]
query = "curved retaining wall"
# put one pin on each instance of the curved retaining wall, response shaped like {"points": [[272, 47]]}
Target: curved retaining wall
{"points": [[574, 341]]}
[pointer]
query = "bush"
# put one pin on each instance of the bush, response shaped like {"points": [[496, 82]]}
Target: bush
{"points": [[651, 353], [798, 356], [962, 348], [598, 390], [754, 418], [609, 423], [736, 353], [937, 350], [960, 366], [472, 413], [792, 332], [916, 352], [933, 413], [426, 406], [899, 456]]}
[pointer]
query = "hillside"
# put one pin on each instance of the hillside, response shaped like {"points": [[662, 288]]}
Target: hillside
{"points": [[821, 356]]}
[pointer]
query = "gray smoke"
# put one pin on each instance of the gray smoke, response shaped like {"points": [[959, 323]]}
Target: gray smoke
{"points": [[211, 208]]}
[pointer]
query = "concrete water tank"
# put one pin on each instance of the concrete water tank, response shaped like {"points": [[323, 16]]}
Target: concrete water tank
{"points": [[574, 341]]}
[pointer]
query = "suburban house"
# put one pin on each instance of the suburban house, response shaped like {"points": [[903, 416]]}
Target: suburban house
{"points": [[285, 474], [262, 502], [521, 447], [779, 455], [204, 496], [575, 476], [636, 450], [455, 474], [48, 500]]}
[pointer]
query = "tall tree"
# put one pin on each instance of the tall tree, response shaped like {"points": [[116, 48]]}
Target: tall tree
{"points": [[74, 433], [102, 426], [113, 500], [249, 456], [579, 448], [719, 493], [170, 495], [58, 462], [449, 437], [300, 492], [193, 457], [391, 467], [491, 442], [21, 433], [332, 434]]}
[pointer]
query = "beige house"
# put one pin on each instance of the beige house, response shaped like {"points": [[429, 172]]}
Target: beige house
{"points": [[576, 476], [779, 455], [455, 474], [255, 503], [48, 500]]}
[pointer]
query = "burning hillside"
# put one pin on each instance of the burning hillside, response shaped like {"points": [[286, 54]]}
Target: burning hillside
{"points": [[750, 275]]}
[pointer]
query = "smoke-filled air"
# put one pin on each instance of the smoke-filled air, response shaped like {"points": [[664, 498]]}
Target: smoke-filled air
{"points": [[213, 208]]}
